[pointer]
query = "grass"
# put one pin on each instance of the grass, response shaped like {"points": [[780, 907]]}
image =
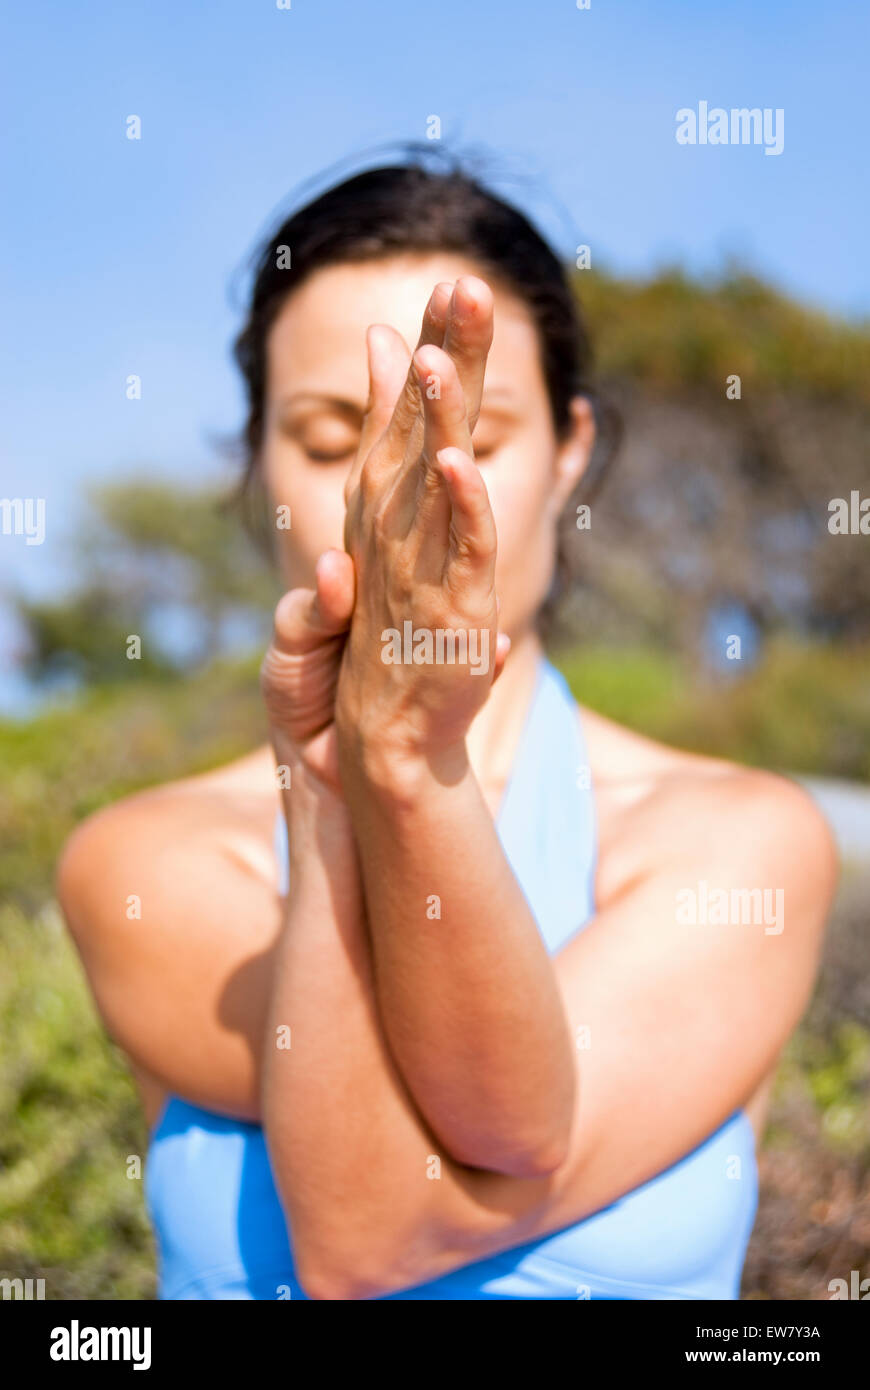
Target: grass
{"points": [[805, 709], [69, 1125]]}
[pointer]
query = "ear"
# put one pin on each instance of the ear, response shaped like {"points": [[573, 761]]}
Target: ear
{"points": [[574, 451]]}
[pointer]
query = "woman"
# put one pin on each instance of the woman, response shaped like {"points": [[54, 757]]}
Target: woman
{"points": [[425, 996]]}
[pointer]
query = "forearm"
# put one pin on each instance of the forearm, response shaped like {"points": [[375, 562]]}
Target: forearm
{"points": [[466, 990], [374, 1203], [348, 1150]]}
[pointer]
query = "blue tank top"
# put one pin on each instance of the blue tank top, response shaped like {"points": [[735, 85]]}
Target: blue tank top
{"points": [[212, 1200]]}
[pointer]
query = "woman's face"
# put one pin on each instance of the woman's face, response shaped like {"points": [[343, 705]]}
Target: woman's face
{"points": [[316, 389]]}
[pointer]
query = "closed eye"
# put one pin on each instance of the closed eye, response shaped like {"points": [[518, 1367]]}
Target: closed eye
{"points": [[330, 456], [484, 448], [326, 429]]}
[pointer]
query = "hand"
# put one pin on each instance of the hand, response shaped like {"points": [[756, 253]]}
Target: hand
{"points": [[423, 651], [299, 674]]}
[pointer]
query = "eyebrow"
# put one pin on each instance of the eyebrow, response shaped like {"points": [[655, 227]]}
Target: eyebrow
{"points": [[340, 403], [322, 399]]}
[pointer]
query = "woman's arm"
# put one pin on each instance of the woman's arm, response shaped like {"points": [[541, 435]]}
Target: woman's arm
{"points": [[347, 1146], [171, 899], [467, 991], [171, 895], [683, 1022], [465, 987]]}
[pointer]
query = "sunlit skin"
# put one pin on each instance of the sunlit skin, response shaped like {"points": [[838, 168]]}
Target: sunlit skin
{"points": [[397, 772]]}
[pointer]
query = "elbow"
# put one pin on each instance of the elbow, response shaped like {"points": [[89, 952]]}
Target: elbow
{"points": [[339, 1279], [343, 1270], [322, 1284], [538, 1148], [337, 1258], [546, 1162], [539, 1159], [331, 1268]]}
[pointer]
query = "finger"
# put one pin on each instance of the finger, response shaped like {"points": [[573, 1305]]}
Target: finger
{"points": [[299, 672], [419, 499], [445, 419], [388, 355], [388, 366], [502, 651], [468, 337], [308, 618], [388, 362], [435, 315], [420, 494], [473, 540], [335, 581], [409, 401]]}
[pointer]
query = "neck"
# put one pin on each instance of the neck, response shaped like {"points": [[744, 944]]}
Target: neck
{"points": [[494, 736]]}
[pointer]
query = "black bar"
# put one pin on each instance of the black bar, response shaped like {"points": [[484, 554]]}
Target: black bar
{"points": [[253, 1341]]}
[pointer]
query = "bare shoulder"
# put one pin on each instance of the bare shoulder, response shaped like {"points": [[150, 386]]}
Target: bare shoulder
{"points": [[227, 811], [658, 807], [171, 898]]}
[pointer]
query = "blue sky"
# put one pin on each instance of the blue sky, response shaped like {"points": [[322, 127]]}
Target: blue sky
{"points": [[119, 255]]}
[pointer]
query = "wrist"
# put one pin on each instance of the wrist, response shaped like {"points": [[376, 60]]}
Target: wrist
{"points": [[315, 761], [393, 768], [319, 830]]}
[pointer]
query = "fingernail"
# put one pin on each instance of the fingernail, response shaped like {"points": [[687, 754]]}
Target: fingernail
{"points": [[446, 463], [469, 301]]}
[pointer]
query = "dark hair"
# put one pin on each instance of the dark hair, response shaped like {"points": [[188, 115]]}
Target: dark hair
{"points": [[408, 207]]}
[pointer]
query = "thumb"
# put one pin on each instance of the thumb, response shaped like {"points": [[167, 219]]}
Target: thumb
{"points": [[306, 618], [502, 651]]}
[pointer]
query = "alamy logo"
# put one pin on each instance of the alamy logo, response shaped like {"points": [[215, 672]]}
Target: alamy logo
{"points": [[440, 646], [23, 516], [704, 906], [76, 1343], [741, 125], [22, 1288], [855, 1288], [849, 517]]}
